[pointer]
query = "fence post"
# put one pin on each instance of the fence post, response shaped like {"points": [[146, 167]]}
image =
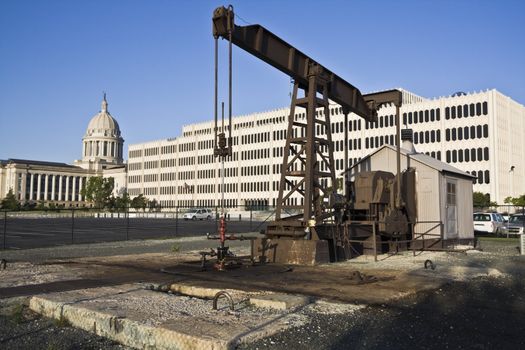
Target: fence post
{"points": [[127, 223], [177, 220], [72, 226], [5, 227]]}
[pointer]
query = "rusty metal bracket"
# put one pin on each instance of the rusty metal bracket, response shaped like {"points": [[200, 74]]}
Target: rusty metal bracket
{"points": [[226, 295], [429, 263]]}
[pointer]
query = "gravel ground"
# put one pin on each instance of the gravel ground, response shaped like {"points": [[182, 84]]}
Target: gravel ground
{"points": [[484, 313]]}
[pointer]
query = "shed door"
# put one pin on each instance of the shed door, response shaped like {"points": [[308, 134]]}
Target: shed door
{"points": [[451, 225]]}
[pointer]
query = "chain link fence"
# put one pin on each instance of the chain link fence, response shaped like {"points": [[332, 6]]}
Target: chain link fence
{"points": [[53, 227]]}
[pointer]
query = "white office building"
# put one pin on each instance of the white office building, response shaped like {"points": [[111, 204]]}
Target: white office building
{"points": [[482, 133]]}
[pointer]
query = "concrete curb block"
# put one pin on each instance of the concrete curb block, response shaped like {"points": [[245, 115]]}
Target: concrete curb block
{"points": [[122, 330]]}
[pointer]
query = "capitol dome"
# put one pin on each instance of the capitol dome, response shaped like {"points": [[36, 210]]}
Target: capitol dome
{"points": [[102, 141]]}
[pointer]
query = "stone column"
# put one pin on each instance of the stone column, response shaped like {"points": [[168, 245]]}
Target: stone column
{"points": [[80, 183], [46, 186], [53, 188], [23, 187], [60, 187], [74, 194], [38, 186], [67, 189], [31, 187]]}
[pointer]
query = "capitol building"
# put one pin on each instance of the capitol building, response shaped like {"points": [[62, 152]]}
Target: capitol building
{"points": [[61, 183], [482, 133]]}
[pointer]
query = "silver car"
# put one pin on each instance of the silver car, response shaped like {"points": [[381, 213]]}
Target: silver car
{"points": [[198, 214], [515, 226]]}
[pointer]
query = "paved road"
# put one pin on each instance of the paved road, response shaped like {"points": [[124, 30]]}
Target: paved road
{"points": [[24, 233]]}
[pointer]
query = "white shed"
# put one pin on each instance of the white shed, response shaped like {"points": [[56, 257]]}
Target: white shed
{"points": [[443, 192]]}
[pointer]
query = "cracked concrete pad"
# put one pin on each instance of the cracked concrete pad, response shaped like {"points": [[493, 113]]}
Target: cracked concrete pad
{"points": [[146, 319]]}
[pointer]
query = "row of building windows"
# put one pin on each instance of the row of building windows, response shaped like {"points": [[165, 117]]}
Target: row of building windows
{"points": [[378, 141], [151, 178], [134, 166], [167, 163], [465, 110], [167, 176], [134, 179], [467, 155], [186, 175], [152, 164], [472, 132], [135, 153], [255, 186], [426, 116], [170, 149], [427, 136], [151, 151], [255, 170], [229, 172], [481, 177], [255, 138], [255, 154]]}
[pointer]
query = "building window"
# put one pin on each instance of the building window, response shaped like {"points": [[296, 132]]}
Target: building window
{"points": [[447, 113], [487, 178], [480, 176], [486, 153], [485, 108], [478, 109]]}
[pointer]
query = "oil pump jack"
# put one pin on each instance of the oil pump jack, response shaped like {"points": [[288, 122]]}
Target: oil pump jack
{"points": [[317, 233]]}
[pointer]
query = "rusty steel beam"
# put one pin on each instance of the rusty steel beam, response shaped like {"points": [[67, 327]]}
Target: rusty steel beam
{"points": [[268, 47]]}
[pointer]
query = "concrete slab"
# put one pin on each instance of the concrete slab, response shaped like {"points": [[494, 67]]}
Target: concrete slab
{"points": [[145, 319], [279, 301]]}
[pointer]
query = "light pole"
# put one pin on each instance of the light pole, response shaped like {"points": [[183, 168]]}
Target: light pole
{"points": [[511, 181]]}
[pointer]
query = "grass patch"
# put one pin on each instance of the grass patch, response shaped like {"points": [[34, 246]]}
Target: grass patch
{"points": [[17, 314], [497, 239], [175, 248]]}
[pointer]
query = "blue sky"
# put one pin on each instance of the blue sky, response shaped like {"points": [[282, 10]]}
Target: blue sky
{"points": [[155, 60]]}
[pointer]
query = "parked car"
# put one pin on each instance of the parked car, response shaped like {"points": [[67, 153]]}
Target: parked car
{"points": [[198, 214], [515, 226], [488, 222]]}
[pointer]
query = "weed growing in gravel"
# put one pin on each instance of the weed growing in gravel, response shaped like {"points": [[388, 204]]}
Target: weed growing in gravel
{"points": [[53, 346], [62, 322], [175, 248], [17, 314]]}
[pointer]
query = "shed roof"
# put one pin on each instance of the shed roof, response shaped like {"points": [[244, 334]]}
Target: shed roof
{"points": [[422, 158]]}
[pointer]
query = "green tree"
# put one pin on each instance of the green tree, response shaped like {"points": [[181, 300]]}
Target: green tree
{"points": [[122, 202], [139, 202], [97, 190], [482, 200], [519, 201], [10, 202]]}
